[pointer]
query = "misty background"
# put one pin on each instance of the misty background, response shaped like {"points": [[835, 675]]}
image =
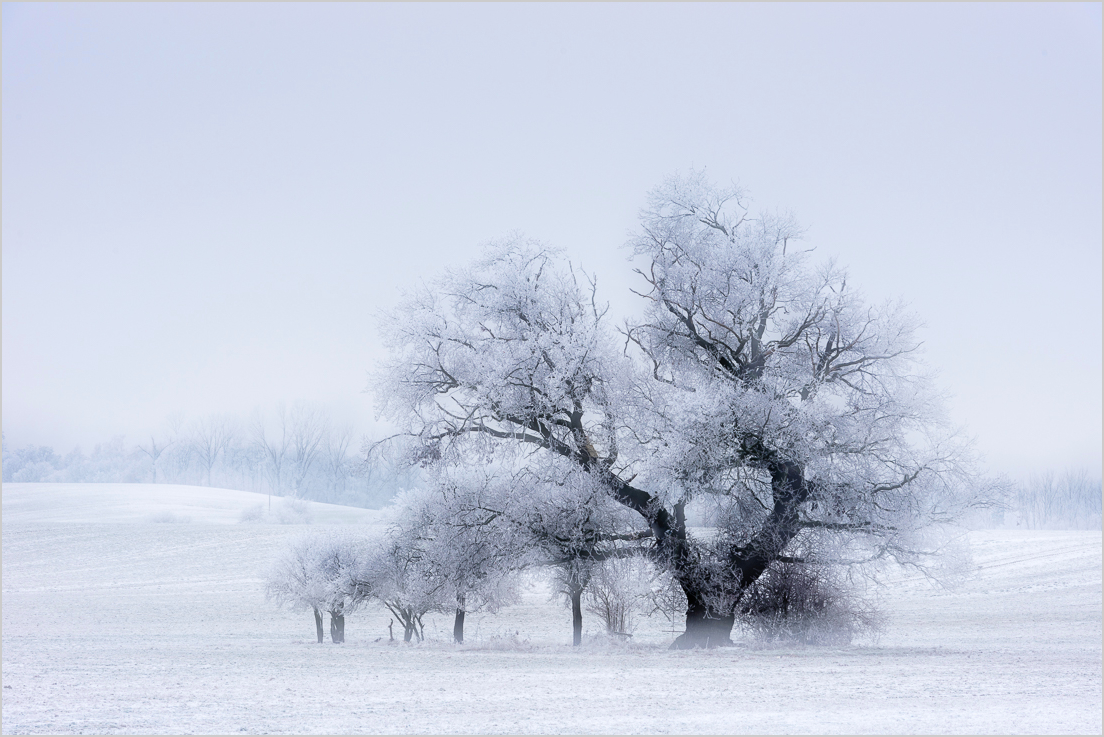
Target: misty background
{"points": [[206, 207]]}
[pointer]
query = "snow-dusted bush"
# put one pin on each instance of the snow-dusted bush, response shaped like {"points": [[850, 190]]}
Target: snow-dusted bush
{"points": [[286, 511], [293, 512], [169, 517], [807, 604], [252, 514], [618, 590]]}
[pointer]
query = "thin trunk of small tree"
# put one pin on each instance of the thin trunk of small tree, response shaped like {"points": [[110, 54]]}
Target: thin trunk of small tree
{"points": [[576, 616], [337, 627], [458, 624], [318, 625]]}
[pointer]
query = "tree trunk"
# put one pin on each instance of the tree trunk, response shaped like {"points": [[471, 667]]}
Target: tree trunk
{"points": [[458, 627], [318, 625], [704, 629], [704, 626], [337, 627], [576, 616], [408, 631]]}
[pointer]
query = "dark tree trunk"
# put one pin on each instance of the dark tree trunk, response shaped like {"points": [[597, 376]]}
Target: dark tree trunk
{"points": [[576, 616], [318, 625], [408, 631], [704, 626], [458, 627], [337, 627], [704, 629]]}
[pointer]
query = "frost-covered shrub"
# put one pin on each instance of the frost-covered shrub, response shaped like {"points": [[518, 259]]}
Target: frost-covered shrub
{"points": [[617, 591], [293, 512], [512, 642], [169, 517], [807, 604], [253, 514], [285, 512], [33, 463]]}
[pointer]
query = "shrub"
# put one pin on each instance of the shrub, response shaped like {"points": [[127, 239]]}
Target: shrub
{"points": [[617, 589], [807, 604]]}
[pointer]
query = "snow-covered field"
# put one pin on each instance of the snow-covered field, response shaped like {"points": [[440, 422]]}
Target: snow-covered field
{"points": [[138, 608]]}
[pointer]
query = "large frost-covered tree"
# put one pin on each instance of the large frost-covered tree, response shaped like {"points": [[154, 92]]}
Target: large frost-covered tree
{"points": [[755, 381]]}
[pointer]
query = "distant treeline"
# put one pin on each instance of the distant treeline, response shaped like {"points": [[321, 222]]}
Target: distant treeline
{"points": [[1050, 501], [299, 452], [1066, 500]]}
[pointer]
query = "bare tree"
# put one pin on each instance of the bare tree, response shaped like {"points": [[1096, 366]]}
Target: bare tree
{"points": [[274, 444], [209, 439], [335, 450], [153, 450], [308, 427]]}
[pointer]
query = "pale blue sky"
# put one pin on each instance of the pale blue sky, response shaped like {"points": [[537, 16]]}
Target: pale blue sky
{"points": [[204, 206]]}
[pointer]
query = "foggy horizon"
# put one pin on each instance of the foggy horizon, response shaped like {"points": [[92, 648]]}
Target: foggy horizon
{"points": [[207, 206]]}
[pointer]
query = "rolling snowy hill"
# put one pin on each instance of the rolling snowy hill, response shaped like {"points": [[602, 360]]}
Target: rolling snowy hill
{"points": [[139, 608], [101, 503]]}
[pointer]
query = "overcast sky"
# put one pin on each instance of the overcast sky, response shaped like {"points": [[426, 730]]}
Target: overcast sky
{"points": [[206, 206]]}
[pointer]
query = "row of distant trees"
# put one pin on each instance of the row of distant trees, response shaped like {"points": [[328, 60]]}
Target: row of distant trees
{"points": [[1067, 500], [298, 451], [1050, 500]]}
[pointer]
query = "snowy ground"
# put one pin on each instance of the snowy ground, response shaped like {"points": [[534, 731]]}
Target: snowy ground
{"points": [[120, 616]]}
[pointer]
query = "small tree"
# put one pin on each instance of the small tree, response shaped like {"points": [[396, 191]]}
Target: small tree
{"points": [[308, 428], [395, 574], [273, 444], [153, 450], [482, 525], [316, 572], [209, 439], [468, 543], [577, 527]]}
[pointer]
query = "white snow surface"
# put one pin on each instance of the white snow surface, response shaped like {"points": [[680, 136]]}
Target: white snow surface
{"points": [[115, 622]]}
